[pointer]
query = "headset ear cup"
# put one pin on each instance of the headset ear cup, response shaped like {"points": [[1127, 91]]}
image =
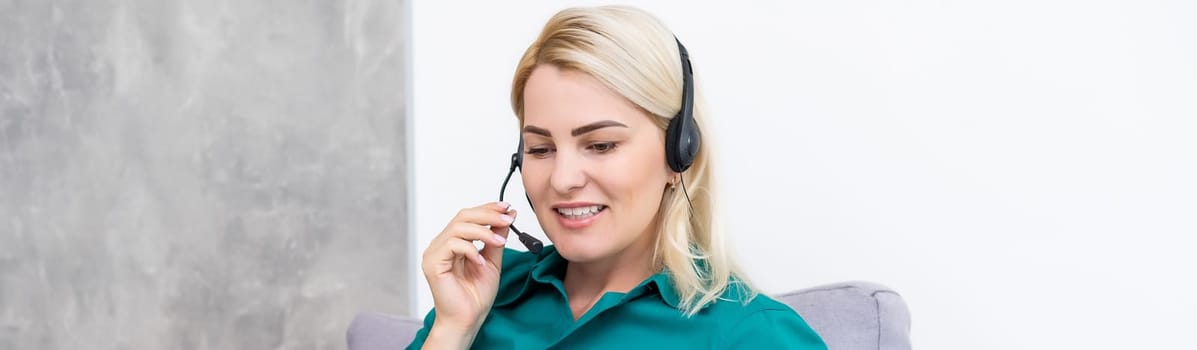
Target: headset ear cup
{"points": [[681, 142], [672, 139], [691, 139]]}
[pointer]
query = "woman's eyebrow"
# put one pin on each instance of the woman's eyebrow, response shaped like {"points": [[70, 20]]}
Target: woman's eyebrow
{"points": [[595, 126], [576, 131], [538, 131]]}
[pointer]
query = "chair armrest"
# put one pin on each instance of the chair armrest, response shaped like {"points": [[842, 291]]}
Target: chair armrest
{"points": [[854, 315], [377, 331]]}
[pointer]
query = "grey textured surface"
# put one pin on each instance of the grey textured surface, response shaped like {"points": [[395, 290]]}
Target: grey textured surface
{"points": [[199, 174]]}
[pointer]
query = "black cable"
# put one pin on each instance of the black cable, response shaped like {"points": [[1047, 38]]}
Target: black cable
{"points": [[682, 179], [534, 245]]}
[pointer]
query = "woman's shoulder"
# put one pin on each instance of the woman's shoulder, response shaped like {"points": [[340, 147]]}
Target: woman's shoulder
{"points": [[517, 263], [514, 260], [517, 269], [763, 322], [742, 301]]}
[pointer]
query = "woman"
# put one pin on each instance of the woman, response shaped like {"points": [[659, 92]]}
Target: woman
{"points": [[608, 142]]}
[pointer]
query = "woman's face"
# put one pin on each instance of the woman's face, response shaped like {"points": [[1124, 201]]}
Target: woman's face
{"points": [[594, 165]]}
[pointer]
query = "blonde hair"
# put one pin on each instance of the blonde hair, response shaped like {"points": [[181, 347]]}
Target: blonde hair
{"points": [[632, 53]]}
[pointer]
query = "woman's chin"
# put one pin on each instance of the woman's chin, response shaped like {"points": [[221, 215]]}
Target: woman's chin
{"points": [[581, 250]]}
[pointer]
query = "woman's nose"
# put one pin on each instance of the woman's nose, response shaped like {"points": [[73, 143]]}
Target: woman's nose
{"points": [[568, 172]]}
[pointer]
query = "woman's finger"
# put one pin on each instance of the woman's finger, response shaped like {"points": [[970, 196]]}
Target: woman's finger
{"points": [[473, 232], [442, 256], [465, 250], [495, 253], [491, 214]]}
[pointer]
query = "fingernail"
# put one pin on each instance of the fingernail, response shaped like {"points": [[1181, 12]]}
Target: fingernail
{"points": [[507, 218], [505, 205], [481, 260], [500, 239]]}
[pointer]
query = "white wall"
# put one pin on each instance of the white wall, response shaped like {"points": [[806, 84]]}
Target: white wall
{"points": [[1021, 171]]}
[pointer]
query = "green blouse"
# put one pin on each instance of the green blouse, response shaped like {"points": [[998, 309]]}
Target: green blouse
{"points": [[531, 312]]}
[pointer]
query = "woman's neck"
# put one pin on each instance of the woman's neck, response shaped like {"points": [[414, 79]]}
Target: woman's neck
{"points": [[586, 282]]}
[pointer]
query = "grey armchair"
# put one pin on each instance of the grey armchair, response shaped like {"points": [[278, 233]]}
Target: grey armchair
{"points": [[849, 316]]}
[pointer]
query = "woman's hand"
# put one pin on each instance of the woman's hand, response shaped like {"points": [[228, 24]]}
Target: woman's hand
{"points": [[463, 279]]}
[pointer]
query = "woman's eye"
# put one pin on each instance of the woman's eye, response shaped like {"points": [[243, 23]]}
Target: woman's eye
{"points": [[539, 151], [602, 147]]}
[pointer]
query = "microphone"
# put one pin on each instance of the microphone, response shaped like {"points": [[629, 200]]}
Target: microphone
{"points": [[534, 245]]}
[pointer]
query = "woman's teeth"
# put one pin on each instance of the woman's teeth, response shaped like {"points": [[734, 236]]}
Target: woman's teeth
{"points": [[581, 212]]}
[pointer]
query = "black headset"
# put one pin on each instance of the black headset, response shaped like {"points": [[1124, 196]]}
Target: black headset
{"points": [[682, 137], [682, 140]]}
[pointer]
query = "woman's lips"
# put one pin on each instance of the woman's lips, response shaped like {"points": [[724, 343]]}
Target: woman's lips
{"points": [[580, 217]]}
